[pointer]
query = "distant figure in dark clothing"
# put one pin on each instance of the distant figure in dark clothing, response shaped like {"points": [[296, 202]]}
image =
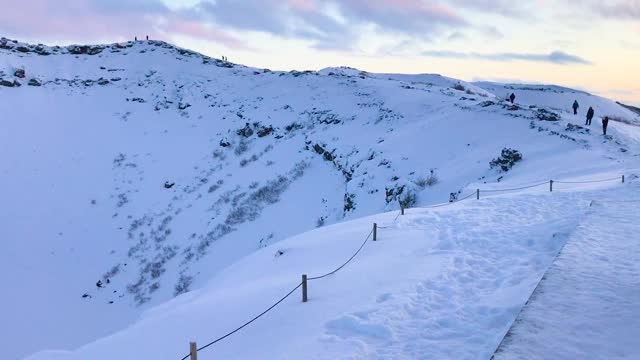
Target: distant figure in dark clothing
{"points": [[135, 38], [147, 37], [590, 114], [512, 97], [575, 107], [605, 123]]}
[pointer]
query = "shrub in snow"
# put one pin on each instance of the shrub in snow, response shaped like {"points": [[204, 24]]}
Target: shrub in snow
{"points": [[429, 180], [404, 194], [459, 87], [506, 160], [184, 282], [349, 202], [242, 147], [408, 200]]}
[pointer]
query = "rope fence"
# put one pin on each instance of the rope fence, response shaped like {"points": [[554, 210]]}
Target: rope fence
{"points": [[193, 354]]}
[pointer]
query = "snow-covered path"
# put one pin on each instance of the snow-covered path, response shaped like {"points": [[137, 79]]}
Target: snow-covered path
{"points": [[463, 310], [588, 303]]}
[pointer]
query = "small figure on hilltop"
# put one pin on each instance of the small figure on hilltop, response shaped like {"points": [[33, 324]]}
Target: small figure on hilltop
{"points": [[147, 37], [512, 97], [135, 38], [575, 107], [590, 114], [605, 123]]}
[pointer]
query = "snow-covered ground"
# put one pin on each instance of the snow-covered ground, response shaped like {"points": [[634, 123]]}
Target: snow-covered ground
{"points": [[137, 172], [440, 283], [588, 304]]}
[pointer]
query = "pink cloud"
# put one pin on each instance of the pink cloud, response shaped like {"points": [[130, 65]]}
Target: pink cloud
{"points": [[91, 20], [302, 5], [201, 31]]}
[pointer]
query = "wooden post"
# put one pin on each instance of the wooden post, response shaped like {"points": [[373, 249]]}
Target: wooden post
{"points": [[375, 231], [402, 209], [477, 194], [304, 288], [193, 350], [550, 185], [623, 178]]}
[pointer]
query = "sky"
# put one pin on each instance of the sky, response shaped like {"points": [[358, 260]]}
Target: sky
{"points": [[591, 45]]}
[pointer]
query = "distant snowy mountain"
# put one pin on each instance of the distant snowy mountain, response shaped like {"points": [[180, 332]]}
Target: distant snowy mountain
{"points": [[138, 171]]}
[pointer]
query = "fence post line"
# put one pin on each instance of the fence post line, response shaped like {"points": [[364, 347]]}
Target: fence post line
{"points": [[193, 350], [304, 287], [623, 178], [550, 185], [375, 231], [477, 194]]}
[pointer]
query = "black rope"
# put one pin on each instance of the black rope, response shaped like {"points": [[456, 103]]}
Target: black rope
{"points": [[518, 188], [586, 182], [397, 216], [345, 264], [248, 322]]}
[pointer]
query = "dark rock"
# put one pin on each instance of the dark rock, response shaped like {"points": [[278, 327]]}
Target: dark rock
{"points": [[486, 103], [168, 185], [6, 83], [246, 131], [264, 131], [102, 81], [19, 73], [183, 106], [34, 82], [84, 49], [546, 115], [23, 49], [41, 50]]}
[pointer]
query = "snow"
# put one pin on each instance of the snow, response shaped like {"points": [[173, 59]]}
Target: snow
{"points": [[588, 304], [83, 179]]}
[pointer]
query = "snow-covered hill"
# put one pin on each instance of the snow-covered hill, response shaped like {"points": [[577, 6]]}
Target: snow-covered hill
{"points": [[138, 171]]}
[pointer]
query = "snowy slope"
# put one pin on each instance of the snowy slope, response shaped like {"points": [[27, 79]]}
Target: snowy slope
{"points": [[443, 283], [147, 169]]}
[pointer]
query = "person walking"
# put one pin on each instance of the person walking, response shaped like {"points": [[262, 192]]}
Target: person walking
{"points": [[605, 123], [575, 107], [512, 97], [590, 114]]}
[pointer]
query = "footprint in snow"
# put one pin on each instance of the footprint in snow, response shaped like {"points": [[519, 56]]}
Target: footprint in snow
{"points": [[349, 327]]}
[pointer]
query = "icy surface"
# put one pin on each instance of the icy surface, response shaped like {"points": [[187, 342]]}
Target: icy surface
{"points": [[588, 304]]}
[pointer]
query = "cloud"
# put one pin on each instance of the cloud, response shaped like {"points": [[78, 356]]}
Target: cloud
{"points": [[615, 9], [626, 9], [508, 8], [331, 23], [555, 57], [99, 20]]}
